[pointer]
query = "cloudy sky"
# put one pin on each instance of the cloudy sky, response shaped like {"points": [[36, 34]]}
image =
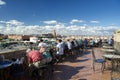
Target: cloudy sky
{"points": [[74, 17]]}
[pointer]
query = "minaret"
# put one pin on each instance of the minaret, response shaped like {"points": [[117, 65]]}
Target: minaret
{"points": [[54, 34]]}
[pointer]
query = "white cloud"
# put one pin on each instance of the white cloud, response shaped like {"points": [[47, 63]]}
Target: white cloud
{"points": [[76, 21], [17, 27], [12, 22], [2, 22], [50, 22], [2, 2], [94, 21], [15, 22]]}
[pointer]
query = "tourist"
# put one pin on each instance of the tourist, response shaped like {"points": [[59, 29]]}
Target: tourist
{"points": [[35, 59], [46, 55], [92, 43], [69, 45], [85, 43], [59, 49], [81, 46], [42, 44], [110, 41], [76, 45], [100, 42]]}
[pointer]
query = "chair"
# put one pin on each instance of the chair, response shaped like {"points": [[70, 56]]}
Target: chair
{"points": [[18, 71], [42, 73], [101, 61]]}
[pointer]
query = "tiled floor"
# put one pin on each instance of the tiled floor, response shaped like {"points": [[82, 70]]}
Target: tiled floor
{"points": [[80, 68]]}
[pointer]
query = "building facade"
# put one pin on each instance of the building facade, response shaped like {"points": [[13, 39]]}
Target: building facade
{"points": [[19, 37]]}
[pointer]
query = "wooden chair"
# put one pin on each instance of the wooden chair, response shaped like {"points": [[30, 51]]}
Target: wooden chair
{"points": [[101, 61]]}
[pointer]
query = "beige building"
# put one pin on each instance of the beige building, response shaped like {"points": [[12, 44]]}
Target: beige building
{"points": [[19, 37], [117, 40], [1, 35], [47, 35]]}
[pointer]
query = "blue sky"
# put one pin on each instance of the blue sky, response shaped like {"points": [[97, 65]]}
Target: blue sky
{"points": [[69, 16]]}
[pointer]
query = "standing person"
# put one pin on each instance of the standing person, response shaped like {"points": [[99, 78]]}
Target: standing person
{"points": [[59, 49], [76, 46], [42, 44], [92, 43], [80, 42], [100, 42], [73, 47], [85, 43], [69, 45], [63, 45], [111, 41]]}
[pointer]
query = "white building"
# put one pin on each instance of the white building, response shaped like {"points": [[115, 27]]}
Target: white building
{"points": [[33, 39]]}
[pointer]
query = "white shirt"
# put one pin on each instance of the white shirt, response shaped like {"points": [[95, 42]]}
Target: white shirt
{"points": [[75, 43], [69, 45], [42, 44], [60, 47]]}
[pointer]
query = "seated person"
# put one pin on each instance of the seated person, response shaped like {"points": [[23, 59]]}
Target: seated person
{"points": [[46, 55], [35, 58]]}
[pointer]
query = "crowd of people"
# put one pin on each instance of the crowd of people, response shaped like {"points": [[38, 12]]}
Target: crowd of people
{"points": [[43, 55]]}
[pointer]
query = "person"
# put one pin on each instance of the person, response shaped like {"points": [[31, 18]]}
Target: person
{"points": [[46, 55], [69, 45], [85, 43], [42, 44], [76, 46], [36, 62], [27, 51], [80, 42], [73, 47], [63, 45], [59, 49], [100, 42], [35, 59], [111, 41], [92, 43]]}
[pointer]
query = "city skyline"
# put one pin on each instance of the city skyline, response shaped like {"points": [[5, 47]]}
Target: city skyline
{"points": [[74, 17]]}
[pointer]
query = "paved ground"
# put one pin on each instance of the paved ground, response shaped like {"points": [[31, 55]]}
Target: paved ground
{"points": [[80, 68]]}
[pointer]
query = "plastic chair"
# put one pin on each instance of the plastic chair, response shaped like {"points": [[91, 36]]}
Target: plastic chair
{"points": [[101, 61]]}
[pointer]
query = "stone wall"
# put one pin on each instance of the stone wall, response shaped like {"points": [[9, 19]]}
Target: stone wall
{"points": [[117, 41], [117, 46], [15, 54]]}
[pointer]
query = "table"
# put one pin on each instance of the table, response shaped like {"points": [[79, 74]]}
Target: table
{"points": [[111, 56], [115, 65], [3, 66], [113, 59], [108, 47], [109, 50]]}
